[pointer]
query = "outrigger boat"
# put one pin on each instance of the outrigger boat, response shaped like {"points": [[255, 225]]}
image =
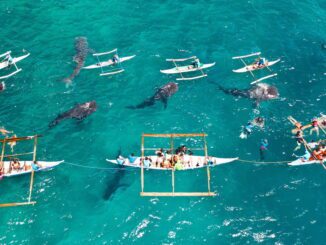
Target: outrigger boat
{"points": [[17, 167], [187, 68], [254, 66], [185, 162], [110, 62], [9, 60]]}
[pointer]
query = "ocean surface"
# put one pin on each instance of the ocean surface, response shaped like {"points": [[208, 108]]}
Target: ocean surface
{"points": [[86, 201]]}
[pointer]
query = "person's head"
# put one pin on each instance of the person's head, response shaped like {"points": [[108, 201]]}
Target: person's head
{"points": [[132, 154], [146, 158]]}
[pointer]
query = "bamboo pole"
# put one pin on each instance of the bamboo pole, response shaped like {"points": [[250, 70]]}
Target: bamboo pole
{"points": [[207, 168], [175, 135], [142, 165], [19, 154], [14, 204], [172, 180], [178, 194], [2, 152], [32, 173]]}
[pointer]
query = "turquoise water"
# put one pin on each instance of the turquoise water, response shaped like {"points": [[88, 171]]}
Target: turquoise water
{"points": [[273, 204]]}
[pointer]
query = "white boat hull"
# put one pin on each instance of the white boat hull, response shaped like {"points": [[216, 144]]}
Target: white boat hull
{"points": [[14, 61], [191, 162], [26, 165], [299, 162], [254, 67], [184, 69], [108, 63]]}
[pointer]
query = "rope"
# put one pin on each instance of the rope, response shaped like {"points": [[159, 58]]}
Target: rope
{"points": [[97, 168], [254, 161]]}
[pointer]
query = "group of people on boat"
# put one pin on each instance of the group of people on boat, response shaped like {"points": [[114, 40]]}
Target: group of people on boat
{"points": [[260, 63], [16, 166], [180, 159]]}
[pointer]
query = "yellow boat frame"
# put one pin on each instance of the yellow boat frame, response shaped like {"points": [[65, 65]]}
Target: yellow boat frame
{"points": [[173, 193], [6, 140]]}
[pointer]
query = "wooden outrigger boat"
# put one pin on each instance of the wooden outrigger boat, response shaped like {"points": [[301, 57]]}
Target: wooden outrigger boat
{"points": [[8, 61], [254, 66], [21, 167], [110, 62], [187, 162], [190, 162], [187, 68]]}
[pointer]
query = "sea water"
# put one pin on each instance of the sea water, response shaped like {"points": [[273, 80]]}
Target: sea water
{"points": [[256, 203]]}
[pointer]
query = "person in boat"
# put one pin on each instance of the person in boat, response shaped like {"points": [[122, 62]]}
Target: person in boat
{"points": [[299, 138], [312, 144], [15, 165], [159, 159], [317, 154], [181, 149], [147, 162], [9, 59], [132, 158], [315, 127], [178, 165], [35, 166], [167, 164], [261, 62], [121, 160], [196, 63], [263, 149], [115, 59]]}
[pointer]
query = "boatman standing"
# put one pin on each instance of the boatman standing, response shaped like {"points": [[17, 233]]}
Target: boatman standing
{"points": [[196, 63], [115, 59], [261, 62]]}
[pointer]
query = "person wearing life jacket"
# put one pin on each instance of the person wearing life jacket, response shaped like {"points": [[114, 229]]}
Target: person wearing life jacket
{"points": [[317, 154], [315, 127], [178, 165]]}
